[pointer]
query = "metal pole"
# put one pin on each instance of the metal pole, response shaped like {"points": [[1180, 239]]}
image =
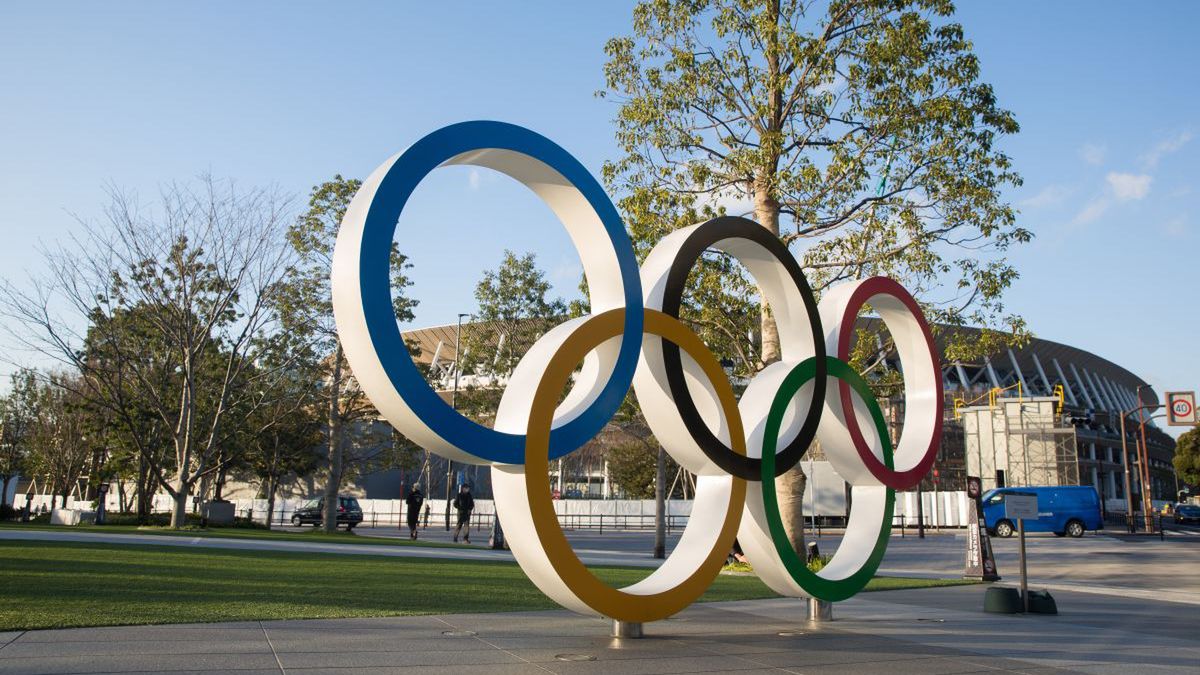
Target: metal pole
{"points": [[1024, 579], [454, 405], [1144, 481], [920, 512], [1147, 506], [1125, 459]]}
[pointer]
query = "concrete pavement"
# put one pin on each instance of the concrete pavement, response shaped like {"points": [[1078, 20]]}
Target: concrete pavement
{"points": [[927, 631]]}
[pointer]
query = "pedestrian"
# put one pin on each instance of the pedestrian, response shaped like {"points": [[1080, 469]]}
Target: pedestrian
{"points": [[427, 515], [465, 504], [414, 501]]}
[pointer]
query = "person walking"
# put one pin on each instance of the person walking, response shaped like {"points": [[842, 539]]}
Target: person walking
{"points": [[465, 504], [414, 501]]}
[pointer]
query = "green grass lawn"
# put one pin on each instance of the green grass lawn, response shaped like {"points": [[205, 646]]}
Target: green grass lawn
{"points": [[67, 584], [312, 535]]}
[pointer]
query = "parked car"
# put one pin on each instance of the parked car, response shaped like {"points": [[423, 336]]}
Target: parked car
{"points": [[312, 512], [1063, 510], [1187, 513]]}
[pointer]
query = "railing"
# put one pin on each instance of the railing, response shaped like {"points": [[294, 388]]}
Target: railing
{"points": [[574, 521], [483, 521], [1135, 523]]}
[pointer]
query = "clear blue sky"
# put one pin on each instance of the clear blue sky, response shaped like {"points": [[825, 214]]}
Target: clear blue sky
{"points": [[139, 94]]}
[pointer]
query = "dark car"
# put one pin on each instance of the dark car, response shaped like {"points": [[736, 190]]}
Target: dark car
{"points": [[312, 512], [1187, 513]]}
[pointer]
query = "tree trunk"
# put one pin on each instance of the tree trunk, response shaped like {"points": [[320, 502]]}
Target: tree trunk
{"points": [[660, 505], [219, 487], [334, 484], [272, 486], [790, 485], [143, 489], [179, 503], [4, 491], [122, 498]]}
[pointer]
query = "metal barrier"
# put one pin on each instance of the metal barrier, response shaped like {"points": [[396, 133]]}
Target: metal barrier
{"points": [[1134, 523], [568, 521], [483, 521]]}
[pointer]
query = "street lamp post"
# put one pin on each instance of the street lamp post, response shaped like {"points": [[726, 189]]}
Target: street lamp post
{"points": [[1146, 496], [1128, 485], [454, 405], [1143, 459]]}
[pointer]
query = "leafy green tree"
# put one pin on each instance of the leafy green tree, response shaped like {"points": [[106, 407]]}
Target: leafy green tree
{"points": [[858, 127], [284, 433], [514, 310], [633, 468], [1187, 456], [128, 367], [306, 307], [19, 411], [59, 448]]}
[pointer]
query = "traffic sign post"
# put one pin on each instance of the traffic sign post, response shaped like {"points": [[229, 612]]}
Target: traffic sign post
{"points": [[1018, 506], [1181, 408]]}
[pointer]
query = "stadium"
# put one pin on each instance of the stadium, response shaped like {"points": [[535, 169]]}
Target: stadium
{"points": [[1042, 414]]}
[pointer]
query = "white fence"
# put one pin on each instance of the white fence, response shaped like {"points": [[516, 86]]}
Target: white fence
{"points": [[826, 500], [573, 513]]}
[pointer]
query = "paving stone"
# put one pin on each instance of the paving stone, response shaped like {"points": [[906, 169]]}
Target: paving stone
{"points": [[23, 649], [484, 669], [376, 641], [450, 659], [7, 637], [657, 666], [174, 633], [135, 662]]}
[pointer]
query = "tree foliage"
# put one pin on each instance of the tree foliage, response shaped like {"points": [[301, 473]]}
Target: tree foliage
{"points": [[1187, 456], [306, 310], [173, 298], [858, 128], [19, 412], [60, 449], [514, 310], [632, 468]]}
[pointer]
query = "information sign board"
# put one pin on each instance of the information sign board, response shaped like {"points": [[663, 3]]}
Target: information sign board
{"points": [[1020, 505]]}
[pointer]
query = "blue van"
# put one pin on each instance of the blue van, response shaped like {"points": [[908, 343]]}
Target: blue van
{"points": [[1062, 509]]}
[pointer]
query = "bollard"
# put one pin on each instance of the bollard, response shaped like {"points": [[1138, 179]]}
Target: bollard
{"points": [[819, 611], [627, 629]]}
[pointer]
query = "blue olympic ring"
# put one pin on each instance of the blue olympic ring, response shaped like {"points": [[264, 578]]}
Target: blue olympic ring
{"points": [[379, 228]]}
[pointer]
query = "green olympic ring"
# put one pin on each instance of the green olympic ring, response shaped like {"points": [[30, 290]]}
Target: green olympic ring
{"points": [[812, 582]]}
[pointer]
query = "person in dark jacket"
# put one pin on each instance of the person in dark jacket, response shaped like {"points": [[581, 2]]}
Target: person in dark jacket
{"points": [[414, 501], [464, 503]]}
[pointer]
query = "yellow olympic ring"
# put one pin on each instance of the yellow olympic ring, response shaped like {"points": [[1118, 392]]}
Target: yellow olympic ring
{"points": [[663, 593]]}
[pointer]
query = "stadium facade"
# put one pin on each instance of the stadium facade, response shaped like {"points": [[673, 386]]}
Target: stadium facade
{"points": [[1042, 414]]}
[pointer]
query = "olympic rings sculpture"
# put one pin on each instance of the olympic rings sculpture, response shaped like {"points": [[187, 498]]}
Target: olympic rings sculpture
{"points": [[634, 337]]}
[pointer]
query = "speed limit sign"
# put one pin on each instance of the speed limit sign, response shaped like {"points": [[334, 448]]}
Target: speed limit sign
{"points": [[1181, 408]]}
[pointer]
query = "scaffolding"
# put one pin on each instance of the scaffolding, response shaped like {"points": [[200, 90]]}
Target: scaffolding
{"points": [[1019, 441]]}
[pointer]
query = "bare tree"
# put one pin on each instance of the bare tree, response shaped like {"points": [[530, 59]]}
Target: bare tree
{"points": [[161, 308]]}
